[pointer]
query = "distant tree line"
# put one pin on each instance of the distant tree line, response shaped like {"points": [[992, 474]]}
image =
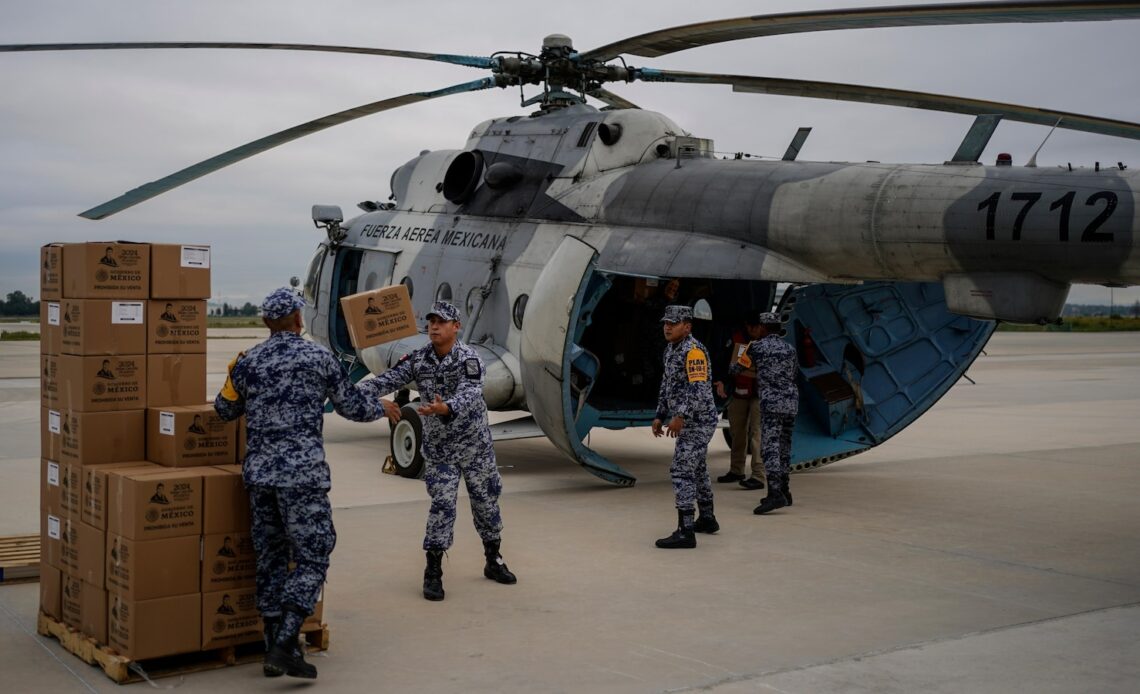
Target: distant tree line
{"points": [[246, 309], [1114, 311], [19, 304]]}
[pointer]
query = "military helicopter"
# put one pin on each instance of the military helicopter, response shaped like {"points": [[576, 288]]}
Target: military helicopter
{"points": [[561, 232]]}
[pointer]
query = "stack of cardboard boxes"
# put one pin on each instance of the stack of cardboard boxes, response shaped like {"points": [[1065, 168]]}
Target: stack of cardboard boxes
{"points": [[144, 521]]}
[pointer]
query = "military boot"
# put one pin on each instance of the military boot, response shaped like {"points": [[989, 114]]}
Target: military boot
{"points": [[433, 575], [271, 624], [787, 489], [285, 656], [706, 523], [682, 537], [774, 500], [496, 569]]}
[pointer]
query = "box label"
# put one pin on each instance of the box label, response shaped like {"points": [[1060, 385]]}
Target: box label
{"points": [[53, 422], [127, 313], [53, 527], [53, 473], [53, 314], [196, 256], [166, 423]]}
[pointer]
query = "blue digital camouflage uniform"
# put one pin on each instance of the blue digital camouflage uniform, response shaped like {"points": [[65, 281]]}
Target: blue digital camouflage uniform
{"points": [[776, 367], [686, 390], [458, 445], [281, 386]]}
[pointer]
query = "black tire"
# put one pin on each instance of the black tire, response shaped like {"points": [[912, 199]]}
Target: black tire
{"points": [[407, 443]]}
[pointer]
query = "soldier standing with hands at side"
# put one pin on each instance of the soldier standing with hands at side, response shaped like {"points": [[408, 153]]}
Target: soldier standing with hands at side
{"points": [[456, 442], [685, 401], [281, 386], [776, 370]]}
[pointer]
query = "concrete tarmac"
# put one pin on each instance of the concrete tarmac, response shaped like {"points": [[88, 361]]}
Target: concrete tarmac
{"points": [[990, 547]]}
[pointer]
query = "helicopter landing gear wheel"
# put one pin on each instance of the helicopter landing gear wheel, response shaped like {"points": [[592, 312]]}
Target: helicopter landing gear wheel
{"points": [[407, 443]]}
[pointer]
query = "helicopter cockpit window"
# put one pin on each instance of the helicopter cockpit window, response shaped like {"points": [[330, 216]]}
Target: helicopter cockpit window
{"points": [[443, 292], [519, 310], [313, 276], [407, 282]]}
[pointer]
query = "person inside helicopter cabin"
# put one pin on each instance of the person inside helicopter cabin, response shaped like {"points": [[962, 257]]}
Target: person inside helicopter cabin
{"points": [[686, 412], [281, 386], [777, 368], [743, 413], [456, 443]]}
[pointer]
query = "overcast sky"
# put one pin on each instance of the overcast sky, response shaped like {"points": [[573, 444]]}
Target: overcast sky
{"points": [[77, 129]]}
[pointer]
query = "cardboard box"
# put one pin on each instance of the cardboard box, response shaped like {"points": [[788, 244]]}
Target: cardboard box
{"points": [[86, 557], [145, 569], [50, 587], [379, 316], [62, 536], [51, 271], [49, 380], [150, 505], [84, 607], [228, 561], [50, 479], [51, 433], [176, 326], [189, 435], [93, 438], [70, 489], [141, 629], [225, 501], [175, 379], [179, 272], [102, 384], [102, 326], [230, 617], [93, 499], [51, 534], [106, 270], [51, 327]]}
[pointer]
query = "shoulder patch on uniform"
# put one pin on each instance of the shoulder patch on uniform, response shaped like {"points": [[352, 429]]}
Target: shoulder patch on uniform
{"points": [[696, 365], [744, 360], [472, 368]]}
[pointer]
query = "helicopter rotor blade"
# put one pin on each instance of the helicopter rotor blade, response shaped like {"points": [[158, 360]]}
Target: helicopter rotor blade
{"points": [[467, 60], [897, 97], [611, 99], [162, 185], [680, 38]]}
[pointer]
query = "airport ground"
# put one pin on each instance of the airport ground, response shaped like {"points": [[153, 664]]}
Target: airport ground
{"points": [[990, 547]]}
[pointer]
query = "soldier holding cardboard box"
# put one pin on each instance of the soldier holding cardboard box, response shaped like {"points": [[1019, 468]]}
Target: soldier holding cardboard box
{"points": [[281, 386]]}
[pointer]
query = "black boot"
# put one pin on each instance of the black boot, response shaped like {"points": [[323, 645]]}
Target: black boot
{"points": [[433, 575], [706, 523], [682, 537], [496, 569], [730, 476], [285, 656], [774, 500], [787, 489], [272, 624]]}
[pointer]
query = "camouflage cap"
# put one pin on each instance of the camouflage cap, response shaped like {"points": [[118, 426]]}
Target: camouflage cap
{"points": [[281, 303], [444, 310], [676, 314], [769, 318]]}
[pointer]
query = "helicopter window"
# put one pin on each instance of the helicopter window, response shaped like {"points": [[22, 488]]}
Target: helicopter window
{"points": [[313, 276], [443, 292], [519, 310], [407, 282]]}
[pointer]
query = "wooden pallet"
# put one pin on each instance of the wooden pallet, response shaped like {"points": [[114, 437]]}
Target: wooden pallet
{"points": [[123, 670], [19, 558]]}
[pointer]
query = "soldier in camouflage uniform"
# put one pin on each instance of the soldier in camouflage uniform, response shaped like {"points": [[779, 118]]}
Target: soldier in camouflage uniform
{"points": [[776, 367], [281, 386], [685, 401], [456, 442]]}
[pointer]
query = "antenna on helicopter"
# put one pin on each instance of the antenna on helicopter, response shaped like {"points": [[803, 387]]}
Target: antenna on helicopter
{"points": [[1032, 163]]}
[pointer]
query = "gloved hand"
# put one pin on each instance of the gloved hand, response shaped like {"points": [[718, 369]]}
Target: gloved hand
{"points": [[228, 391]]}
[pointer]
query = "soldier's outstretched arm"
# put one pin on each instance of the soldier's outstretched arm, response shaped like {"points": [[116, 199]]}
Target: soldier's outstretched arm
{"points": [[350, 401], [390, 381], [228, 403]]}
